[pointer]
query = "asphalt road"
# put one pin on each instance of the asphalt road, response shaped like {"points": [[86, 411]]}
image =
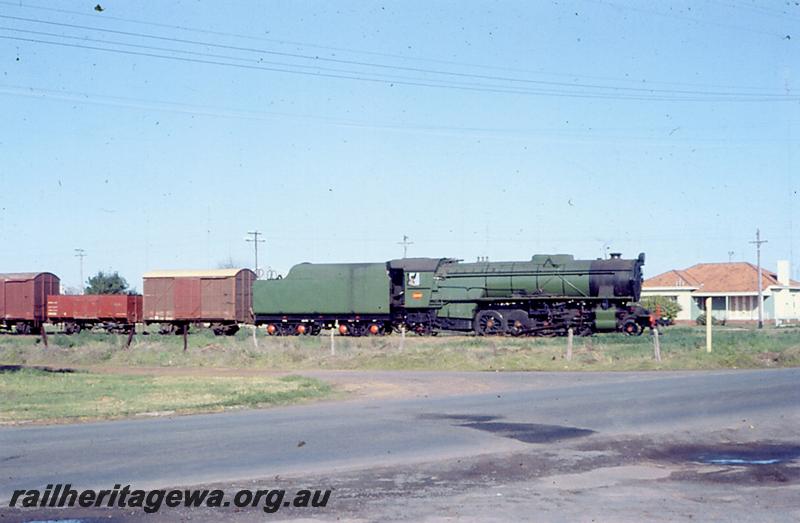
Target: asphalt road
{"points": [[518, 415]]}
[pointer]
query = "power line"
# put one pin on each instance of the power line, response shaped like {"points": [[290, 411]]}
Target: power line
{"points": [[359, 51], [758, 241], [248, 60], [686, 18], [255, 241], [405, 243], [573, 135], [80, 253], [724, 97], [403, 80]]}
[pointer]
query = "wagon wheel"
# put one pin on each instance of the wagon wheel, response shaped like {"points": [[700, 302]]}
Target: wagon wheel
{"points": [[488, 323]]}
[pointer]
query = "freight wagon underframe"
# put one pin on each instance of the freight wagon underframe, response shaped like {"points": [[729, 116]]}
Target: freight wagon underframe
{"points": [[219, 328]]}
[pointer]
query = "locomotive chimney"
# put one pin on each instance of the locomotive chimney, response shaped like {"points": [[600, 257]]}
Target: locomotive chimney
{"points": [[615, 255]]}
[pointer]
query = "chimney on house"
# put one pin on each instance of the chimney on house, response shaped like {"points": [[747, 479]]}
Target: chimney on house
{"points": [[783, 272]]}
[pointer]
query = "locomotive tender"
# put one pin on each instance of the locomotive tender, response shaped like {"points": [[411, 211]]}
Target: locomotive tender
{"points": [[543, 296]]}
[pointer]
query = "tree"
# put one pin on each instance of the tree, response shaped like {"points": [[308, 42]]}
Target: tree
{"points": [[107, 283], [668, 308]]}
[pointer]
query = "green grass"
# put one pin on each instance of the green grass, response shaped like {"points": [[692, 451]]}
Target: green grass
{"points": [[681, 348], [34, 395]]}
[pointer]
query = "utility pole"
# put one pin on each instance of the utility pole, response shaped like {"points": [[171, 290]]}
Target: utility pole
{"points": [[405, 243], [730, 256], [758, 241], [80, 253], [256, 241]]}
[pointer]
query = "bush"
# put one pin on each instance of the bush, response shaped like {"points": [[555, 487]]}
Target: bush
{"points": [[668, 308], [701, 320]]}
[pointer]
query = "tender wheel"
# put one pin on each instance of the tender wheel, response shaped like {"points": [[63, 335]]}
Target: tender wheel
{"points": [[23, 328], [357, 329], [489, 323], [422, 329], [631, 328]]}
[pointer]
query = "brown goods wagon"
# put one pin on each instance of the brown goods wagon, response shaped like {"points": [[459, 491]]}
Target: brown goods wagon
{"points": [[115, 312], [221, 297], [23, 299]]}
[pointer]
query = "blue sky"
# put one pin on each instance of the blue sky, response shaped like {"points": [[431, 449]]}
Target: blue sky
{"points": [[498, 129]]}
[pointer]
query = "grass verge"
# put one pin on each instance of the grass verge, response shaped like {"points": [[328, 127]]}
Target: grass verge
{"points": [[35, 395], [681, 348]]}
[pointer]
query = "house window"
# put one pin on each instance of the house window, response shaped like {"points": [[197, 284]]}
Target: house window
{"points": [[743, 303], [717, 303]]}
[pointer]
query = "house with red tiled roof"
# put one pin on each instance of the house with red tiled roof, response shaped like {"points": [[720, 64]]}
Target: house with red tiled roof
{"points": [[733, 288]]}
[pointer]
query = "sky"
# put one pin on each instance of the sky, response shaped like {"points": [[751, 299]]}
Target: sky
{"points": [[155, 135]]}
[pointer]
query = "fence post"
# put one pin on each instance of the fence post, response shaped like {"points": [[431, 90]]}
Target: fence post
{"points": [[402, 337], [131, 332], [656, 345], [44, 336], [333, 341], [569, 344], [255, 338], [185, 336], [709, 321]]}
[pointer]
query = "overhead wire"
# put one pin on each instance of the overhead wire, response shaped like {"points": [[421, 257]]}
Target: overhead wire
{"points": [[414, 83], [653, 135], [636, 8], [285, 42], [651, 92]]}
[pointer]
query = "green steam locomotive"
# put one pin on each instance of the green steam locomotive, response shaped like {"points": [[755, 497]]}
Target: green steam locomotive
{"points": [[544, 296]]}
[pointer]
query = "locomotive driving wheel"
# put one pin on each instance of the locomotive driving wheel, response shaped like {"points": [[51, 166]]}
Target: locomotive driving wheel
{"points": [[489, 323]]}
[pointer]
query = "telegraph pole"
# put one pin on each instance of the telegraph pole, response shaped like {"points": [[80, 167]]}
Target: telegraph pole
{"points": [[256, 241], [405, 243], [758, 241], [80, 253], [730, 256]]}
